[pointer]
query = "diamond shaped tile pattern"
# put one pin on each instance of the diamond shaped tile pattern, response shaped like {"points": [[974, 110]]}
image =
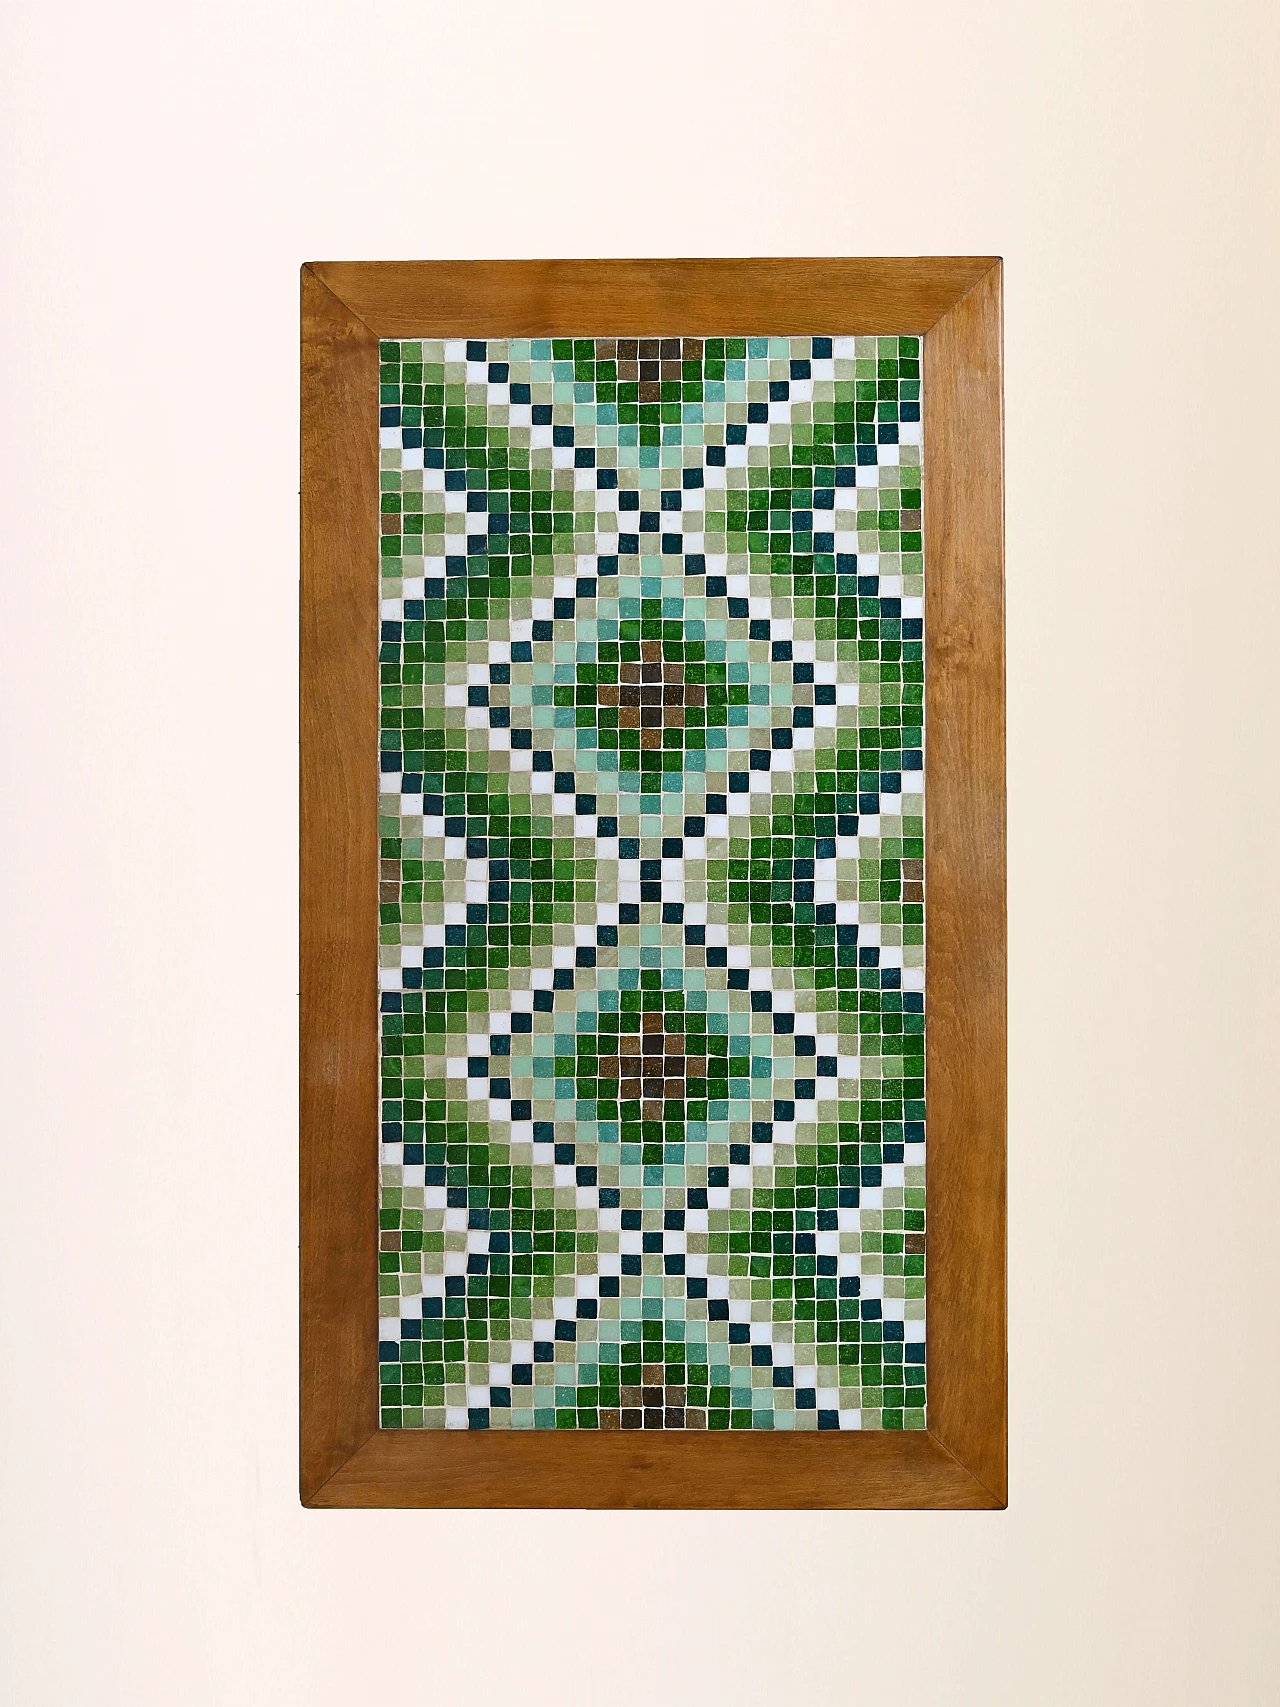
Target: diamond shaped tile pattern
{"points": [[652, 884]]}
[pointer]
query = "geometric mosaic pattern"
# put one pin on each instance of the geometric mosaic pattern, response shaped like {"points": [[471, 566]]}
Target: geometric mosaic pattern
{"points": [[652, 884]]}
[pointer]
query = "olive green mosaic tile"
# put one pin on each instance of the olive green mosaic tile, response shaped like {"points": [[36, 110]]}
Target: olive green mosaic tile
{"points": [[652, 884]]}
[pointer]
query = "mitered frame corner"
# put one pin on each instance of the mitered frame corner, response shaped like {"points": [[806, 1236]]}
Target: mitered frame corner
{"points": [[960, 1461]]}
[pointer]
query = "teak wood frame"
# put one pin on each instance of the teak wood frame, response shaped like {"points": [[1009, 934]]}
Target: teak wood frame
{"points": [[346, 1459]]}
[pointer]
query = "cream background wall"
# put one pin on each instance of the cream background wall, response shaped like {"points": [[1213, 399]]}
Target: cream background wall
{"points": [[165, 170]]}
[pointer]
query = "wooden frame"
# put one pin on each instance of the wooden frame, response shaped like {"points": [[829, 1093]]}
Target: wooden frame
{"points": [[346, 1460]]}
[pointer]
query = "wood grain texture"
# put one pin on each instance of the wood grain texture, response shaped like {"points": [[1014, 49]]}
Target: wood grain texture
{"points": [[499, 299], [965, 878], [338, 1022], [346, 1459], [649, 1470]]}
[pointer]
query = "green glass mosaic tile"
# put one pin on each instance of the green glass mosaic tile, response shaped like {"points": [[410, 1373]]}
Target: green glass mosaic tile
{"points": [[652, 884]]}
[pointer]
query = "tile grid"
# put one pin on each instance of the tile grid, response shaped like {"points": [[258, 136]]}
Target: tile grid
{"points": [[652, 884]]}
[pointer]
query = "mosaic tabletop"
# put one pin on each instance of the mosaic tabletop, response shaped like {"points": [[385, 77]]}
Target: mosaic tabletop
{"points": [[652, 884]]}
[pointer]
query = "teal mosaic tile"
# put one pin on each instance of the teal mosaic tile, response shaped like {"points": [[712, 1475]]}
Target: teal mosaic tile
{"points": [[652, 902]]}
